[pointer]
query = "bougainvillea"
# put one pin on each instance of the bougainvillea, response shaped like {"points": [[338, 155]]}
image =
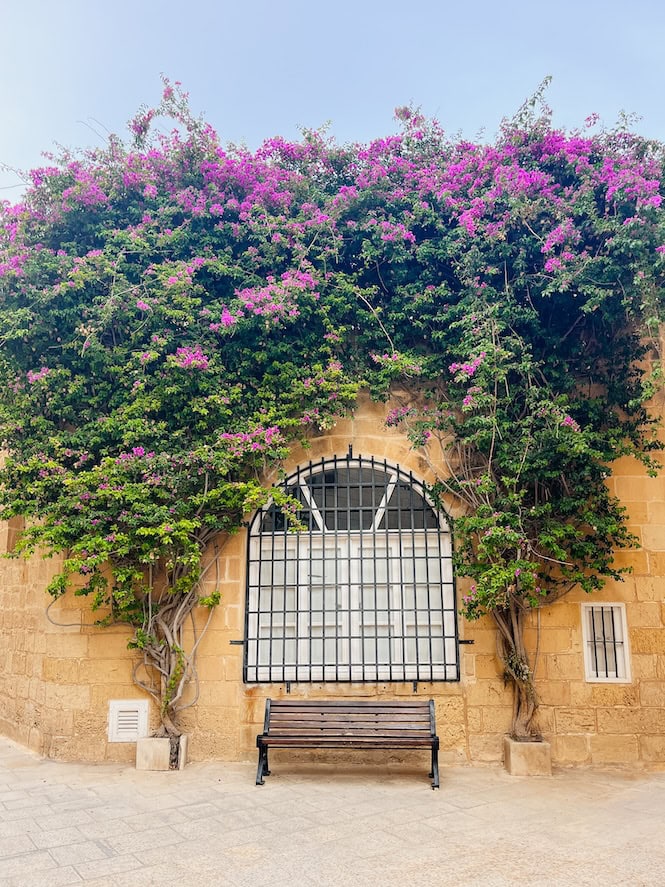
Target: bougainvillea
{"points": [[174, 314]]}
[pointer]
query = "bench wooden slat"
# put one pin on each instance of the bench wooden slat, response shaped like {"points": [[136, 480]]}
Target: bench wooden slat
{"points": [[379, 709], [344, 741], [317, 730], [354, 717]]}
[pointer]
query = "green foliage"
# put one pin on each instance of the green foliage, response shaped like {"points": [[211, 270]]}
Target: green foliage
{"points": [[174, 315]]}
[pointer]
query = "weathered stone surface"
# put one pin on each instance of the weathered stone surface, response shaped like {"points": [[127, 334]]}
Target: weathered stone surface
{"points": [[575, 720], [153, 753], [527, 758], [652, 748], [614, 749], [571, 749]]}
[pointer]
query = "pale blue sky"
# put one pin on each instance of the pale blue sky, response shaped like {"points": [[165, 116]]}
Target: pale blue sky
{"points": [[260, 68]]}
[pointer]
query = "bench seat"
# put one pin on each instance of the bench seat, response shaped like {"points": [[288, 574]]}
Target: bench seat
{"points": [[348, 724]]}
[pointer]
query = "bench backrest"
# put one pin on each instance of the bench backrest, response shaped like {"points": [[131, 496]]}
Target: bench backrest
{"points": [[307, 717]]}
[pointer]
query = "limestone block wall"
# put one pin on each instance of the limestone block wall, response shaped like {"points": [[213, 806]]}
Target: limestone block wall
{"points": [[57, 680]]}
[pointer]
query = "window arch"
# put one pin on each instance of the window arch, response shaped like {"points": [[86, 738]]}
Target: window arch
{"points": [[363, 590]]}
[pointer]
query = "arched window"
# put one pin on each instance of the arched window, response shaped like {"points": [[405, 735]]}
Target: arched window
{"points": [[364, 592]]}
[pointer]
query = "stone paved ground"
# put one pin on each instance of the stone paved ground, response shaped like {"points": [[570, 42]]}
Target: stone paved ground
{"points": [[108, 824]]}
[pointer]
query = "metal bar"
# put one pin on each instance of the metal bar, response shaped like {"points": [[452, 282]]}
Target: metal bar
{"points": [[389, 570], [602, 625], [594, 643], [250, 541], [338, 600], [415, 578], [614, 643]]}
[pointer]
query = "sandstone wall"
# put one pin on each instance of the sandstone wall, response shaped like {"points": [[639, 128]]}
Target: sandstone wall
{"points": [[57, 679]]}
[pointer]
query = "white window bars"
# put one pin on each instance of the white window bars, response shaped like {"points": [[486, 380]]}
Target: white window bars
{"points": [[605, 638]]}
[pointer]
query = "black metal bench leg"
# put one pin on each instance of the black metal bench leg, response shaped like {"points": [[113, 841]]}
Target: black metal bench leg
{"points": [[266, 768], [434, 775], [262, 767]]}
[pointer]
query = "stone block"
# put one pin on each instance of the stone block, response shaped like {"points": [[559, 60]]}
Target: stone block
{"points": [[450, 709], [545, 720], [485, 749], [105, 671], [639, 512], [652, 748], [222, 720], [655, 512], [488, 666], [234, 618], [653, 537], [647, 640], [652, 693], [614, 749], [102, 645], [637, 561], [66, 646], [496, 719], [644, 666], [527, 758], [552, 640], [489, 693], [451, 735], [631, 720], [232, 662], [153, 753], [210, 668], [474, 720], [645, 489], [58, 722], [657, 563], [57, 669], [571, 749], [566, 666], [575, 720], [75, 748], [553, 692], [484, 642], [645, 614], [625, 695]]}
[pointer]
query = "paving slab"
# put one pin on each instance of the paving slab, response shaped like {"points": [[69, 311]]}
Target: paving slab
{"points": [[109, 825]]}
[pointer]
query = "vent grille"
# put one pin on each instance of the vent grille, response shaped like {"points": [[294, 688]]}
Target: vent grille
{"points": [[128, 719]]}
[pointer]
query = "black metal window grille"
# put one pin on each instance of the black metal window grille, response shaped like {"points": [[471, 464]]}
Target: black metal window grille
{"points": [[365, 592], [605, 643]]}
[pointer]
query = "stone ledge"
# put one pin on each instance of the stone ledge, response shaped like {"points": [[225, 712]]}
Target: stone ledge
{"points": [[527, 758]]}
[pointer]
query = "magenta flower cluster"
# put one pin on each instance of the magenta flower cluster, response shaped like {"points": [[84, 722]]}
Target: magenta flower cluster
{"points": [[275, 300], [191, 358], [468, 369], [38, 375], [398, 414], [260, 440]]}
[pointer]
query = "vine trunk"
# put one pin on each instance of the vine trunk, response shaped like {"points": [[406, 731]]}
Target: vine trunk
{"points": [[518, 671]]}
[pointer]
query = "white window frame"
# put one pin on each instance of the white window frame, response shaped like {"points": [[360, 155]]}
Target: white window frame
{"points": [[623, 670]]}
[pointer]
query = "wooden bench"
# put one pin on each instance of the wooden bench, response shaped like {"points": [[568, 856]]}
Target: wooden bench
{"points": [[348, 724]]}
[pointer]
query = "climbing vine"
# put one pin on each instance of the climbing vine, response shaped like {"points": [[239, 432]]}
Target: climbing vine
{"points": [[175, 314]]}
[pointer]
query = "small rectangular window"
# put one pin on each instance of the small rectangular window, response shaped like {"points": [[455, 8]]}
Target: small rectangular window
{"points": [[605, 636]]}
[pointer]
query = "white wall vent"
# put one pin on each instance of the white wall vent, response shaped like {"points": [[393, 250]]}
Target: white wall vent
{"points": [[128, 719]]}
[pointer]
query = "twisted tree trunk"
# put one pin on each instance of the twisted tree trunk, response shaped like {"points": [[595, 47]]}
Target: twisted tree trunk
{"points": [[518, 671]]}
